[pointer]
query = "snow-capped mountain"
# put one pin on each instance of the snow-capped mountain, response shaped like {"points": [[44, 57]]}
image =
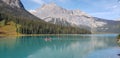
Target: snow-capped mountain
{"points": [[58, 15]]}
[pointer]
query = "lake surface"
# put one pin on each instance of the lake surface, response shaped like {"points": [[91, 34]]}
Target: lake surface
{"points": [[60, 46]]}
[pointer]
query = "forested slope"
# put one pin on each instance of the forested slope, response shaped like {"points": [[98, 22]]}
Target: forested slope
{"points": [[29, 24]]}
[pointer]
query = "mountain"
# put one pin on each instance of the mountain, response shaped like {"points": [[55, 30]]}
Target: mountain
{"points": [[26, 23], [14, 3], [118, 19], [57, 15], [15, 8], [111, 26]]}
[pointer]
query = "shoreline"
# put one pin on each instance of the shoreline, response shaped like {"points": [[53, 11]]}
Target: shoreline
{"points": [[43, 34]]}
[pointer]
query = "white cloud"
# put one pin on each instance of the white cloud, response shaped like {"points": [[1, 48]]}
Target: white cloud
{"points": [[48, 1], [39, 1], [32, 11]]}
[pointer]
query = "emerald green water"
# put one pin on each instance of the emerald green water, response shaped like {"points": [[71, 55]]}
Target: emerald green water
{"points": [[62, 46]]}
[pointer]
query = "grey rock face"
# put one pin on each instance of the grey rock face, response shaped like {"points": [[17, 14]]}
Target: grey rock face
{"points": [[14, 3], [58, 15], [75, 17], [55, 14]]}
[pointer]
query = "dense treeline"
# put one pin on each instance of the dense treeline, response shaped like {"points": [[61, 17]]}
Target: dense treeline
{"points": [[39, 27], [29, 24]]}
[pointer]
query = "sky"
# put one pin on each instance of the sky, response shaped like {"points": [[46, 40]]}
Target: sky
{"points": [[107, 9]]}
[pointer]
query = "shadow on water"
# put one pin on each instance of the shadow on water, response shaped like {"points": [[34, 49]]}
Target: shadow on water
{"points": [[67, 46]]}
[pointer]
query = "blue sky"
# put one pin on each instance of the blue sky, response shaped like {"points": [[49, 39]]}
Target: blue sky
{"points": [[107, 9]]}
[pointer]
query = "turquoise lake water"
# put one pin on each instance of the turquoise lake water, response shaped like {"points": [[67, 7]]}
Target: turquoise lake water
{"points": [[60, 46]]}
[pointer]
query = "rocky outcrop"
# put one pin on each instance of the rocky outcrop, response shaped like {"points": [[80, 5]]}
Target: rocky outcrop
{"points": [[54, 14], [14, 3]]}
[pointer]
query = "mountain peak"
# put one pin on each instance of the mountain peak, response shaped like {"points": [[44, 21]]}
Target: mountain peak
{"points": [[53, 13], [50, 5], [14, 3]]}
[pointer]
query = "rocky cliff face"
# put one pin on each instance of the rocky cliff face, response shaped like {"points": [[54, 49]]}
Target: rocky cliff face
{"points": [[15, 8], [14, 3], [58, 15]]}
